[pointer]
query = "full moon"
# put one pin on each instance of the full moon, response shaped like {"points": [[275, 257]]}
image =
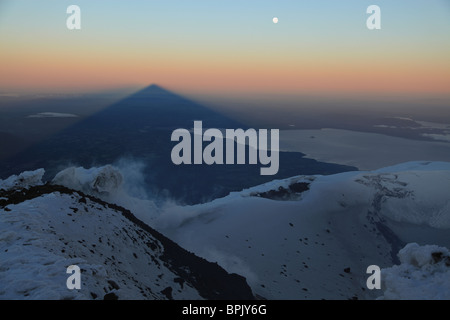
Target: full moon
{"points": [[275, 20]]}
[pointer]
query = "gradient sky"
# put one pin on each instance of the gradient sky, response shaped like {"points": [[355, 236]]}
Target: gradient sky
{"points": [[227, 46]]}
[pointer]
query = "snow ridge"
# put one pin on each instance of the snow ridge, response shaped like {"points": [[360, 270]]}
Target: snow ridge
{"points": [[46, 228], [23, 180]]}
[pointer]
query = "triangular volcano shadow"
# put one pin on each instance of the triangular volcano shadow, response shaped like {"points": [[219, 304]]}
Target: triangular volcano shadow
{"points": [[139, 127], [159, 108]]}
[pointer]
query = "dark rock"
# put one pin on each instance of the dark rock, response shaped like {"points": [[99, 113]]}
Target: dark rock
{"points": [[168, 293], [437, 257], [284, 194], [110, 296], [180, 281], [113, 284]]}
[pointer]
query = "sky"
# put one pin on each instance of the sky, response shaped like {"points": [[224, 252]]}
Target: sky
{"points": [[318, 47]]}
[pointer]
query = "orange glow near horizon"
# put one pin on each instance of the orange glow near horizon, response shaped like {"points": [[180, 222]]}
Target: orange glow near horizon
{"points": [[66, 71]]}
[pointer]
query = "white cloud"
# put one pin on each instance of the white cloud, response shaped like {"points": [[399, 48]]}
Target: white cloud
{"points": [[52, 115]]}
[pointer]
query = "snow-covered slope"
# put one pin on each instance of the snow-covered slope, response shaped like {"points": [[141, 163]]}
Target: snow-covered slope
{"points": [[44, 229], [306, 237], [314, 237]]}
